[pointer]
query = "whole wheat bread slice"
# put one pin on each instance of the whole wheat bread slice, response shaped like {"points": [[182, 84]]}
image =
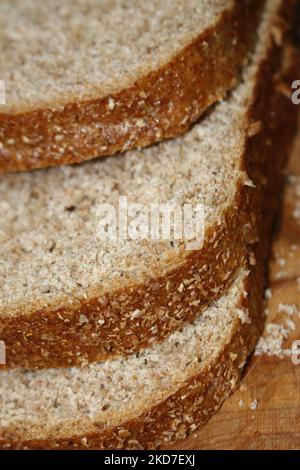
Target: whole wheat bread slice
{"points": [[68, 298], [145, 400], [95, 77]]}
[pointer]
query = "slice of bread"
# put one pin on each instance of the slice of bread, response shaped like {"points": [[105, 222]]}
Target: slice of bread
{"points": [[91, 78], [143, 401], [69, 298]]}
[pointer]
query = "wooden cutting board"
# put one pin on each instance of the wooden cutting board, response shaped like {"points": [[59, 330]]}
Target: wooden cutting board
{"points": [[265, 412]]}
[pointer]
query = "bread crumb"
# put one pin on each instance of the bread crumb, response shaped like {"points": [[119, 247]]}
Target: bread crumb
{"points": [[290, 310], [243, 316], [281, 262], [84, 441], [140, 123], [291, 325], [83, 319], [249, 183], [268, 294], [296, 213], [275, 334], [136, 314], [111, 104], [271, 344], [253, 405]]}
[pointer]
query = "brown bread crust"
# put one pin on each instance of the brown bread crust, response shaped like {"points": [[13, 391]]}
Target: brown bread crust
{"points": [[158, 106], [57, 338]]}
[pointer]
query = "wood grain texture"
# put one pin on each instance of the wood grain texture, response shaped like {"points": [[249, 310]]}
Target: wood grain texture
{"points": [[271, 381]]}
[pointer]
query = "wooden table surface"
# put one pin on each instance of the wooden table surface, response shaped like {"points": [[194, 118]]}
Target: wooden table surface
{"points": [[265, 412]]}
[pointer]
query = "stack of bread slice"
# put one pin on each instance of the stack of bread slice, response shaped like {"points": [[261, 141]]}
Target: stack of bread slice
{"points": [[134, 344]]}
